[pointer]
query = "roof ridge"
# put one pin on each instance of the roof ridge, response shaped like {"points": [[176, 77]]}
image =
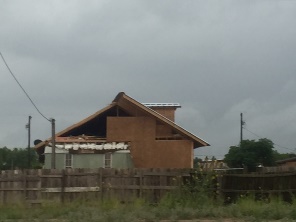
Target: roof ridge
{"points": [[144, 108]]}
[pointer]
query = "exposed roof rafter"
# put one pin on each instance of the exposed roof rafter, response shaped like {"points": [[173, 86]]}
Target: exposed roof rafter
{"points": [[137, 109]]}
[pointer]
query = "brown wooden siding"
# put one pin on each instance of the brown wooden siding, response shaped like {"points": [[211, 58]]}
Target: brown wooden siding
{"points": [[146, 151], [289, 164], [167, 112], [130, 129], [163, 131]]}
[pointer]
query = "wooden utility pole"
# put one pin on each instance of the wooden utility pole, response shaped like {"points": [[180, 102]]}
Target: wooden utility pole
{"points": [[53, 154], [29, 142], [241, 127]]}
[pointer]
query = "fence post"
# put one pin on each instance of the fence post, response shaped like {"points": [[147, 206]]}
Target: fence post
{"points": [[141, 184], [1, 191], [219, 187], [63, 184], [101, 171], [39, 184], [25, 184]]}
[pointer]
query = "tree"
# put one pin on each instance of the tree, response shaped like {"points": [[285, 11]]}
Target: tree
{"points": [[17, 158], [251, 154], [282, 156], [196, 162]]}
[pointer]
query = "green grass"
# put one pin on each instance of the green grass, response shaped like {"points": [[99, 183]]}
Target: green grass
{"points": [[195, 200], [245, 209]]}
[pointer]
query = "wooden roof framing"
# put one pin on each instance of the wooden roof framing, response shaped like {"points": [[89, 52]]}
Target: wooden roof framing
{"points": [[122, 97], [135, 108]]}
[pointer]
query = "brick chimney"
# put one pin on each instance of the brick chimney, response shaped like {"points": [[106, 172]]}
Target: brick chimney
{"points": [[165, 109]]}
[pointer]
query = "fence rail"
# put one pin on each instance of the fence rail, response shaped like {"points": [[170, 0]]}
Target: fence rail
{"points": [[69, 184], [36, 186]]}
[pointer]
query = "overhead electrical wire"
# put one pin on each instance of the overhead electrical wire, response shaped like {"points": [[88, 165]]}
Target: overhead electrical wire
{"points": [[23, 89], [251, 132], [262, 137]]}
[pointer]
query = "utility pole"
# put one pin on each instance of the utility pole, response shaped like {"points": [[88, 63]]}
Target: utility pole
{"points": [[53, 146], [241, 127], [28, 126]]}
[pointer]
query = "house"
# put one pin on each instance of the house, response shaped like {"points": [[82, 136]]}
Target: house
{"points": [[282, 166], [289, 162], [125, 134], [212, 164]]}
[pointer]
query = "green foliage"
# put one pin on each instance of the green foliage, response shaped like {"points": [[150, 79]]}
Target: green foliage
{"points": [[17, 158], [197, 190], [193, 201], [196, 162], [282, 156], [250, 154]]}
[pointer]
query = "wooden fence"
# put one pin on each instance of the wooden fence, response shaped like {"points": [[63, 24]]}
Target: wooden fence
{"points": [[36, 186], [278, 169], [262, 185]]}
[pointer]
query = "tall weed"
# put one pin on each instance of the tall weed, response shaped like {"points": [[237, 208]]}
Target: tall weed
{"points": [[195, 199]]}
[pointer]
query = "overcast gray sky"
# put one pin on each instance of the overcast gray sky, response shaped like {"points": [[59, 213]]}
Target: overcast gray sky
{"points": [[216, 58]]}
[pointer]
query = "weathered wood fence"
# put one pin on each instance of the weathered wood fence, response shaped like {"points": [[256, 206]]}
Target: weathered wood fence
{"points": [[36, 186], [278, 169], [262, 185]]}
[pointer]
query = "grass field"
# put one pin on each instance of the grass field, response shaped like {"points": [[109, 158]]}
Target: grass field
{"points": [[171, 208], [193, 202]]}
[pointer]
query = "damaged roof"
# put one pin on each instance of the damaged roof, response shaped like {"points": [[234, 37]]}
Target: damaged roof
{"points": [[125, 103]]}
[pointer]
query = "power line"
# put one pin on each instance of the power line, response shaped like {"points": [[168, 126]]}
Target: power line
{"points": [[23, 88], [273, 143], [252, 132]]}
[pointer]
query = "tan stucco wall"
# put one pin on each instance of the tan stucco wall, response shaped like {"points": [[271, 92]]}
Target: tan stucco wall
{"points": [[147, 152]]}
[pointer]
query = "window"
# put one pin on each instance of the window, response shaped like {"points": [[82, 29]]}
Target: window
{"points": [[108, 157], [68, 160]]}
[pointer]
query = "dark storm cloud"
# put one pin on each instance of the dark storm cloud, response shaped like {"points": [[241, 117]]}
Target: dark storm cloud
{"points": [[216, 58]]}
